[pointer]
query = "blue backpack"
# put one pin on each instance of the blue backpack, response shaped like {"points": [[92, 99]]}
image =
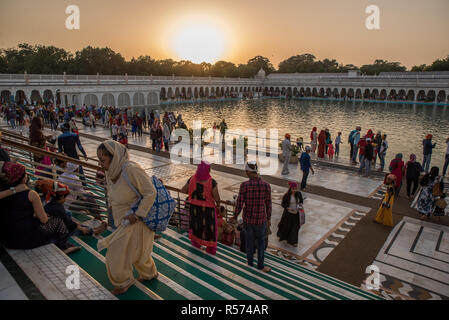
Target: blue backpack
{"points": [[163, 207]]}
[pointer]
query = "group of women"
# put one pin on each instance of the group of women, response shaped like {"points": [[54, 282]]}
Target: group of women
{"points": [[430, 199]]}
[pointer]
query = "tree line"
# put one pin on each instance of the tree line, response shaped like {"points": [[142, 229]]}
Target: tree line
{"points": [[40, 59]]}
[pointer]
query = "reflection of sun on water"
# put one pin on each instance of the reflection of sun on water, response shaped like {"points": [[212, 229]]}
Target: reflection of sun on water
{"points": [[199, 43]]}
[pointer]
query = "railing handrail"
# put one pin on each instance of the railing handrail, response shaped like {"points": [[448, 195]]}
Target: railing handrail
{"points": [[41, 152]]}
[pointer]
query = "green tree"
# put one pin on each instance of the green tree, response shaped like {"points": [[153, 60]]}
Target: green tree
{"points": [[382, 66], [259, 62]]}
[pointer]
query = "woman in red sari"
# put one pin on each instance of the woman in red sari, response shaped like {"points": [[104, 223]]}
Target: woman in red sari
{"points": [[321, 143]]}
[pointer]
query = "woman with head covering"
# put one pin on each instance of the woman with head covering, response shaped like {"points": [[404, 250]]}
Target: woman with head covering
{"points": [[385, 213], [203, 201], [397, 168], [313, 139], [23, 223], [131, 244], [38, 139], [321, 144], [432, 191], [289, 225], [413, 170]]}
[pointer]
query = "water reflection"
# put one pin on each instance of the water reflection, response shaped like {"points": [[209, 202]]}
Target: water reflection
{"points": [[405, 124]]}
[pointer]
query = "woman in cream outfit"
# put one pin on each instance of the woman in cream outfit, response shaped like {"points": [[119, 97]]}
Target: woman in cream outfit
{"points": [[130, 244]]}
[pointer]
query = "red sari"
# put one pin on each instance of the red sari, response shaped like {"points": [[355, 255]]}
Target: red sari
{"points": [[321, 144]]}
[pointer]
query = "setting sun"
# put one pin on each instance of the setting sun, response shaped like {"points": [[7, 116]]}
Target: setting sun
{"points": [[199, 43]]}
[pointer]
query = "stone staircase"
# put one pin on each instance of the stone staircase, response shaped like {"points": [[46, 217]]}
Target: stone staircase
{"points": [[185, 273]]}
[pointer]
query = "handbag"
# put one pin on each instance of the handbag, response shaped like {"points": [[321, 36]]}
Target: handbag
{"points": [[163, 207], [302, 216]]}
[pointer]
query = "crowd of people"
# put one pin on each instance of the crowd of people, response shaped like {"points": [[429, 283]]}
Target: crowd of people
{"points": [[32, 220]]}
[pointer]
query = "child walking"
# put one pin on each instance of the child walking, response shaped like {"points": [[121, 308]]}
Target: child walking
{"points": [[300, 143], [330, 150]]}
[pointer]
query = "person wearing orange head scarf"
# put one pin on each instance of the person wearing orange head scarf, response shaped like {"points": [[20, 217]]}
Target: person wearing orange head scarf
{"points": [[203, 201], [321, 144]]}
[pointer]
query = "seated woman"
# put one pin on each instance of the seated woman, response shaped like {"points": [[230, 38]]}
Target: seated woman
{"points": [[23, 223], [55, 208]]}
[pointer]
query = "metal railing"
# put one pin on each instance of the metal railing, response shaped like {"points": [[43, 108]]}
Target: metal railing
{"points": [[95, 188]]}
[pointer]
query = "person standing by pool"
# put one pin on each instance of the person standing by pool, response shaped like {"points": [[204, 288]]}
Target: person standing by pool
{"points": [[313, 139], [351, 142], [397, 168], [337, 144], [355, 142], [413, 170], [366, 157], [255, 200], [328, 139], [383, 152], [427, 151], [286, 153], [446, 161], [321, 144], [306, 166]]}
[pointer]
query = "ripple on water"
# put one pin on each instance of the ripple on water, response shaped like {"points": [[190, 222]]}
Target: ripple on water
{"points": [[405, 124]]}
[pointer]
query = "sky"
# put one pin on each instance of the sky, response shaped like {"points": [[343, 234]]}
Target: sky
{"points": [[413, 32]]}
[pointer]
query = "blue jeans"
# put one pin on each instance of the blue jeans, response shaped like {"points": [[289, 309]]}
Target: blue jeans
{"points": [[354, 155], [365, 163], [337, 149], [382, 160], [12, 122], [426, 162], [255, 233]]}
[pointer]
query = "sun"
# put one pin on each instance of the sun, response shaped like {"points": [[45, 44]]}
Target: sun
{"points": [[199, 43]]}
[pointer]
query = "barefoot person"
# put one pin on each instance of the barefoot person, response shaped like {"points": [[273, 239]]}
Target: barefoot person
{"points": [[131, 244]]}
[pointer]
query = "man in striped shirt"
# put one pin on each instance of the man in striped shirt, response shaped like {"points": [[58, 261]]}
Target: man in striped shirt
{"points": [[255, 200]]}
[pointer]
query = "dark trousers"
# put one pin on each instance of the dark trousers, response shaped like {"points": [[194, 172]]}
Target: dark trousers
{"points": [[446, 163], [305, 175], [352, 151], [409, 185], [255, 234]]}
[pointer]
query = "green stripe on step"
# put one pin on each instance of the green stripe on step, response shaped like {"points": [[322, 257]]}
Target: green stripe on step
{"points": [[307, 293], [233, 269], [156, 285], [217, 273], [213, 281], [97, 270]]}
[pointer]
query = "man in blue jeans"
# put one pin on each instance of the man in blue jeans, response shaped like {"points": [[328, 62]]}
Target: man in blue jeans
{"points": [[306, 166], [255, 200], [427, 152]]}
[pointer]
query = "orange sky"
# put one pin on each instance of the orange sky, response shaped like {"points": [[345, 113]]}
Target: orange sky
{"points": [[411, 31]]}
